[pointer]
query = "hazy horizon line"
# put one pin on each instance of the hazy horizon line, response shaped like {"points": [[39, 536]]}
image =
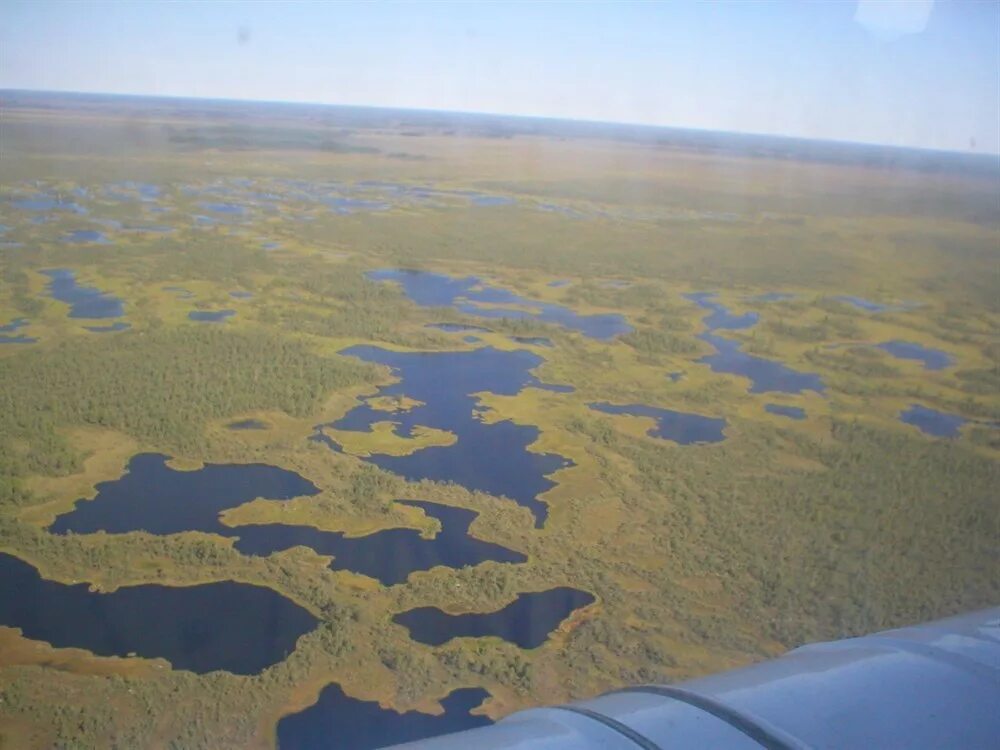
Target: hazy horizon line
{"points": [[522, 116]]}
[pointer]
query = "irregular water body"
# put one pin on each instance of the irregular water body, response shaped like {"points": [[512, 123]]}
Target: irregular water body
{"points": [[933, 359], [678, 426], [211, 316], [338, 721], [766, 375], [792, 412], [773, 297], [933, 422], [472, 297], [84, 301], [491, 458], [192, 627], [12, 328], [155, 498], [390, 555], [527, 621]]}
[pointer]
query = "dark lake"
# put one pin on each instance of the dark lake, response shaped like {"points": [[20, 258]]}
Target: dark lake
{"points": [[389, 555], [933, 422], [766, 375], [155, 498], [84, 301], [211, 316], [774, 297], [678, 426], [338, 721], [527, 621], [473, 297], [792, 412], [933, 359], [240, 294], [217, 626], [490, 458]]}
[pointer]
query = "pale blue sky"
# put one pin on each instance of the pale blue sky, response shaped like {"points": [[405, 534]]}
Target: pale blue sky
{"points": [[920, 73]]}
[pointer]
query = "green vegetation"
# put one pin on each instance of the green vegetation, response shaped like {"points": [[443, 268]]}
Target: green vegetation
{"points": [[701, 557]]}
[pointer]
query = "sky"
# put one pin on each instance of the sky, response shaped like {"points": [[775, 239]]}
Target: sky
{"points": [[919, 73]]}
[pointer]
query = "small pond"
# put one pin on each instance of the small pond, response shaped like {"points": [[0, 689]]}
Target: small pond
{"points": [[84, 301], [470, 295], [792, 412], [680, 427], [527, 621], [248, 424], [933, 422], [192, 627], [211, 316], [338, 721], [933, 359]]}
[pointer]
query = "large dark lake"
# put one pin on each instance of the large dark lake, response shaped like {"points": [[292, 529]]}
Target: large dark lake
{"points": [[155, 498], [338, 721], [766, 375], [217, 626], [491, 458], [472, 296], [527, 621]]}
